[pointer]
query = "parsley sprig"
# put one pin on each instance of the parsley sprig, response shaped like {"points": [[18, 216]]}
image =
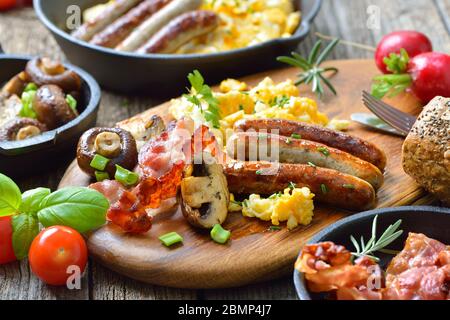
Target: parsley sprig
{"points": [[373, 245], [312, 72], [201, 92]]}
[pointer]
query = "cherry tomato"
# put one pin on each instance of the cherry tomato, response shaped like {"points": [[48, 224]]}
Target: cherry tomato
{"points": [[412, 41], [7, 4], [430, 74], [6, 247], [54, 250]]}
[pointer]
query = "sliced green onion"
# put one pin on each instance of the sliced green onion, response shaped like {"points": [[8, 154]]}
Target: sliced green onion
{"points": [[296, 136], [126, 177], [324, 188], [30, 87], [99, 162], [170, 238], [311, 164], [72, 103], [219, 234], [349, 186], [324, 151], [274, 228], [27, 110], [291, 185], [100, 176], [258, 172]]}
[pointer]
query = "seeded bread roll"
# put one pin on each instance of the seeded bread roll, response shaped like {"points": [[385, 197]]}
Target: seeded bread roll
{"points": [[426, 150]]}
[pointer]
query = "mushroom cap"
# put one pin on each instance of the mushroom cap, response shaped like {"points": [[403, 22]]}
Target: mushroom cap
{"points": [[204, 197], [9, 130], [86, 151]]}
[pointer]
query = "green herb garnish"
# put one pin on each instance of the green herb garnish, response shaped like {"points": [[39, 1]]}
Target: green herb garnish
{"points": [[312, 71], [99, 162], [280, 101], [170, 239], [100, 176], [200, 92], [126, 177], [274, 228], [27, 110], [324, 151], [259, 172], [296, 136], [219, 234], [291, 185], [349, 186], [374, 245], [311, 164], [324, 188], [72, 103]]}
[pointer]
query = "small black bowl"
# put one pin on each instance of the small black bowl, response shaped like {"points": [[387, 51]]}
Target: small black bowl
{"points": [[163, 74], [434, 222], [31, 156]]}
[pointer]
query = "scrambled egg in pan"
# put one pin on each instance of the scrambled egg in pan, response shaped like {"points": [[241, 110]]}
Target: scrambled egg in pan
{"points": [[245, 23], [293, 205], [266, 100]]}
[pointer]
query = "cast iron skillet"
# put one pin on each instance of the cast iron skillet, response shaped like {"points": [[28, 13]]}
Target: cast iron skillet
{"points": [[31, 156], [163, 74], [434, 222]]}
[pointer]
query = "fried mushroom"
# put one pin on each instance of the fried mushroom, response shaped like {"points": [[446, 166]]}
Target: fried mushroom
{"points": [[43, 71], [20, 129], [51, 106], [116, 144], [204, 195]]}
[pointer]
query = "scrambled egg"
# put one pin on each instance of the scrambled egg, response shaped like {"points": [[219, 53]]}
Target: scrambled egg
{"points": [[266, 100], [293, 205], [245, 23]]}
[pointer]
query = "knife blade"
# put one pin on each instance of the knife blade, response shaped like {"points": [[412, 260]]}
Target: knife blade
{"points": [[371, 120]]}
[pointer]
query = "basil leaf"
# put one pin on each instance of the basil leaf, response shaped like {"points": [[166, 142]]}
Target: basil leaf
{"points": [[82, 209], [32, 199], [25, 229], [10, 196]]}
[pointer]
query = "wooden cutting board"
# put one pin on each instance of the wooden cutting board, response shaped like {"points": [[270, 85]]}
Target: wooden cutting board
{"points": [[254, 253]]}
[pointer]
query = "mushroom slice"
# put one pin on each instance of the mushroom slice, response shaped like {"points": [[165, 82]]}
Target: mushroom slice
{"points": [[204, 195]]}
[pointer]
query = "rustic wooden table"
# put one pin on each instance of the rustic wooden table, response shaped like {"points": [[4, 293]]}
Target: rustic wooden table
{"points": [[22, 33]]}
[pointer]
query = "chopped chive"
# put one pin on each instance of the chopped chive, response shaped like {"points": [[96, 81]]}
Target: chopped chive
{"points": [[275, 195], [288, 141], [291, 185], [324, 188], [219, 234], [324, 151], [311, 164], [99, 162], [245, 203], [126, 177], [100, 176], [72, 103], [239, 203], [349, 186], [170, 238], [274, 228], [30, 87], [296, 136], [241, 107], [258, 172]]}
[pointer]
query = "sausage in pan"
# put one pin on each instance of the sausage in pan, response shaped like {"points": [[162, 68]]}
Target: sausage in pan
{"points": [[292, 150], [353, 145], [181, 30], [122, 27], [113, 11], [329, 186], [156, 22]]}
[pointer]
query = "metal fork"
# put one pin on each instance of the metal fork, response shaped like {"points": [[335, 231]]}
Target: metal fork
{"points": [[400, 120]]}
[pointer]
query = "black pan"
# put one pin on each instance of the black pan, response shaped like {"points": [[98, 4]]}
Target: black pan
{"points": [[434, 222], [34, 155], [162, 74]]}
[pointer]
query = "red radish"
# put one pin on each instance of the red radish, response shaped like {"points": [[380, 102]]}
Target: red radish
{"points": [[430, 74], [412, 42], [6, 247], [427, 75]]}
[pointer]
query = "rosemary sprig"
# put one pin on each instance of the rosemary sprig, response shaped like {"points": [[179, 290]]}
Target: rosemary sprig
{"points": [[374, 245], [202, 92], [312, 72]]}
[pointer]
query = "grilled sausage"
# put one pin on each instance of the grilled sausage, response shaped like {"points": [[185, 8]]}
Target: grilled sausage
{"points": [[113, 11], [116, 32], [181, 30], [257, 146], [332, 138], [329, 186], [153, 24]]}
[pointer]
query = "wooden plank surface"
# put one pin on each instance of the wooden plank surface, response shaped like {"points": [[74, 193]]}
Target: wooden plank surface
{"points": [[22, 33]]}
